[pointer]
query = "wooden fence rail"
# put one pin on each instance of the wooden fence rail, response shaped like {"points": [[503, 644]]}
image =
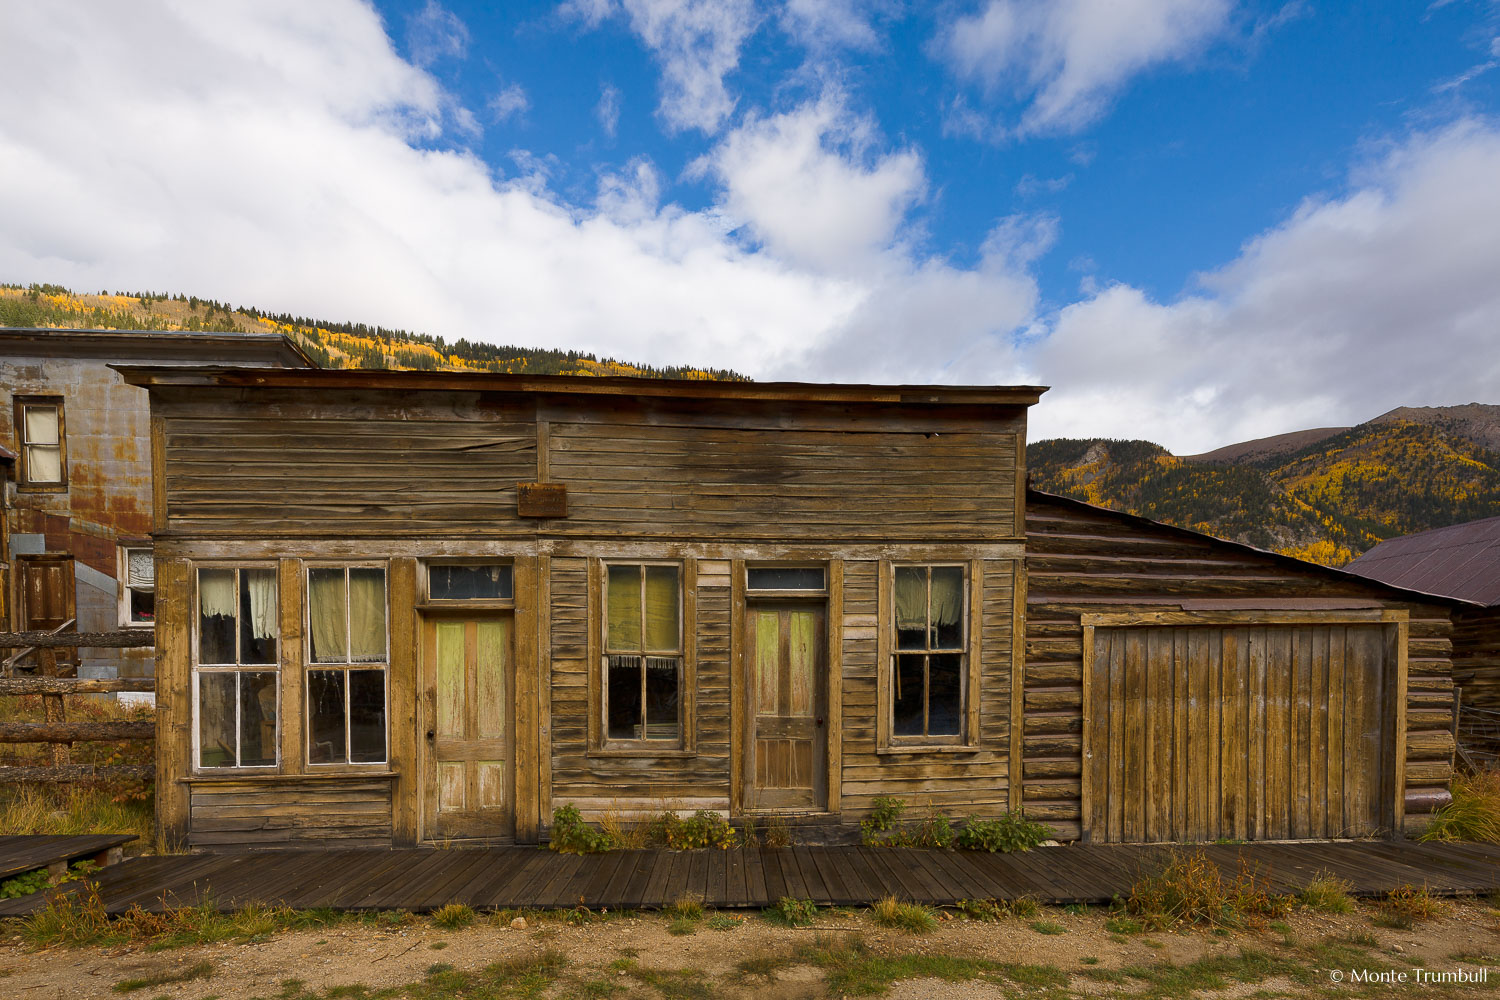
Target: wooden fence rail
{"points": [[56, 730]]}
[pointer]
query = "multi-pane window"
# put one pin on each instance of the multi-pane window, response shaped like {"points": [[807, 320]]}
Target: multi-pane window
{"points": [[463, 582], [931, 655], [643, 653], [40, 426], [137, 587], [234, 672], [346, 665]]}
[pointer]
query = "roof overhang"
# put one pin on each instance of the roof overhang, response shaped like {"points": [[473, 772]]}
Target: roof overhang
{"points": [[154, 346], [1291, 562], [163, 376]]}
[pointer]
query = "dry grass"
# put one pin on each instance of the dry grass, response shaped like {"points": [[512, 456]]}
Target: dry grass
{"points": [[629, 835], [1474, 813], [112, 806], [1405, 907], [1327, 893], [1189, 888], [909, 917]]}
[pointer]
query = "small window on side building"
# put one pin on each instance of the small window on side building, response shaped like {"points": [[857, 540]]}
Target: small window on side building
{"points": [[137, 569], [39, 429]]}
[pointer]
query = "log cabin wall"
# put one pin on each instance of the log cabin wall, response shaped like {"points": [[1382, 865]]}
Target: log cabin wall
{"points": [[361, 471], [1083, 561]]}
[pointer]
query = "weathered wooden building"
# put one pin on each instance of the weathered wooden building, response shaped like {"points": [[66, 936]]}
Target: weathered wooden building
{"points": [[402, 607], [77, 511], [1462, 562]]}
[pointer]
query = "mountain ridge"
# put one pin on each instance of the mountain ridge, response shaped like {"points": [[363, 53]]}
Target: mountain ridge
{"points": [[1325, 494]]}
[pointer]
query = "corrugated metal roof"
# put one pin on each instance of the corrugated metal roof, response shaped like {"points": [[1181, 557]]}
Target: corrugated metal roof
{"points": [[1461, 560]]}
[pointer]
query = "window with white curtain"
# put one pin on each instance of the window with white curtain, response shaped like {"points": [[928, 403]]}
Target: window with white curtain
{"points": [[929, 668], [39, 423], [643, 654], [235, 664], [347, 661], [137, 575]]}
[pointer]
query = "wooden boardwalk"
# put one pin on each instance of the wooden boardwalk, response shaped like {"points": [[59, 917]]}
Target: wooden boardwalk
{"points": [[522, 877], [28, 853]]}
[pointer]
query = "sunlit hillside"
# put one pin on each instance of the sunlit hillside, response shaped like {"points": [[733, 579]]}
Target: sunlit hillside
{"points": [[333, 345], [1327, 502]]}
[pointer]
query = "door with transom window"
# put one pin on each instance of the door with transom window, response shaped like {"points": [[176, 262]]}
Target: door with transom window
{"points": [[467, 744], [786, 751]]}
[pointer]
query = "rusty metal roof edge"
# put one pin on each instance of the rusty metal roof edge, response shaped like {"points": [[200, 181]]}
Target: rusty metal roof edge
{"points": [[1448, 550], [1290, 561], [208, 376]]}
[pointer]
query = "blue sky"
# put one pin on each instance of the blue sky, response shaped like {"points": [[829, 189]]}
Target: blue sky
{"points": [[1199, 220]]}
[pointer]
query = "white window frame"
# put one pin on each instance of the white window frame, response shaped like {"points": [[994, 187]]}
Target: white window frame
{"points": [[122, 561], [308, 666], [199, 669]]}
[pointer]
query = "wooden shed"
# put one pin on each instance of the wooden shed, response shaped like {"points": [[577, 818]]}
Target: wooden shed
{"points": [[405, 607], [1182, 687]]}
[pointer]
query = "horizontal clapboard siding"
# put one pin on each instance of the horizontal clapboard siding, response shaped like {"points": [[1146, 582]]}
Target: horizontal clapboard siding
{"points": [[967, 782], [290, 813], [1084, 561], [645, 783], [352, 463], [654, 480]]}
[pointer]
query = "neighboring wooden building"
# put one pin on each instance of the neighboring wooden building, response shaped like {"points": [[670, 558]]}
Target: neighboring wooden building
{"points": [[77, 513], [1182, 687], [404, 607], [1461, 561]]}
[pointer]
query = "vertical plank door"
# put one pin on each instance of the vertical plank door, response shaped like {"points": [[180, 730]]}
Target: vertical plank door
{"points": [[1249, 732], [467, 744], [785, 654]]}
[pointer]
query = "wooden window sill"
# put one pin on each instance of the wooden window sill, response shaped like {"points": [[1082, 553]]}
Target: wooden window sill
{"points": [[932, 748], [261, 776], [641, 752]]}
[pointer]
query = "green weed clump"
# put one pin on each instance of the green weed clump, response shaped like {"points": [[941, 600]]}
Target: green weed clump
{"points": [[1009, 833], [878, 828], [1474, 813], [704, 829], [571, 835], [992, 910], [453, 916], [1327, 893], [1405, 907], [791, 912], [909, 917]]}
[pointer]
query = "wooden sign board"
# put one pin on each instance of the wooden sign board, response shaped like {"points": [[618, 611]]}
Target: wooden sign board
{"points": [[541, 500]]}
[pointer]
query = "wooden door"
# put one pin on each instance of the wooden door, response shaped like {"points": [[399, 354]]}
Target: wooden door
{"points": [[47, 596], [787, 748], [1278, 732], [467, 779]]}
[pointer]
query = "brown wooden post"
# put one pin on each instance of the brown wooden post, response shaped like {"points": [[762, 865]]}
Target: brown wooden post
{"points": [[52, 704]]}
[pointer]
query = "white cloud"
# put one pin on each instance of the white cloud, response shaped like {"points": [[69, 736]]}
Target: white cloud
{"points": [[695, 42], [608, 109], [331, 207], [1385, 296], [434, 33], [805, 184], [509, 103], [1066, 58], [823, 25]]}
